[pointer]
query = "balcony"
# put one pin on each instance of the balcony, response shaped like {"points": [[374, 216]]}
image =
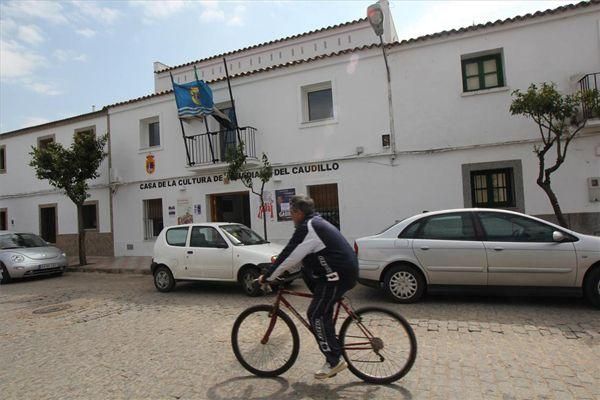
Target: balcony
{"points": [[207, 151], [590, 83]]}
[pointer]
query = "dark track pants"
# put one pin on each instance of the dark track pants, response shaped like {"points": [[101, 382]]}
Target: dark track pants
{"points": [[320, 315]]}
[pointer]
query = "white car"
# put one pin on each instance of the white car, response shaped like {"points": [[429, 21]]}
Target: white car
{"points": [[219, 251], [478, 249]]}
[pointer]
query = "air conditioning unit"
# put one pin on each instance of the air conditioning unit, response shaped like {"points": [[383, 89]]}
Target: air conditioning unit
{"points": [[594, 188]]}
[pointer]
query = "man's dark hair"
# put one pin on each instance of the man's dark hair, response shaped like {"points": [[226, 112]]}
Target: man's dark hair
{"points": [[303, 203]]}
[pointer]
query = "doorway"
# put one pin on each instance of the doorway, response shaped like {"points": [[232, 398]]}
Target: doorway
{"points": [[48, 222], [231, 207]]}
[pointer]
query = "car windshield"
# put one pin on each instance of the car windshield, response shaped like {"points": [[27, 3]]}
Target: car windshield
{"points": [[241, 235], [20, 240]]}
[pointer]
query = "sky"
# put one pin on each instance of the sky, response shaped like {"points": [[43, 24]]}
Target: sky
{"points": [[60, 58]]}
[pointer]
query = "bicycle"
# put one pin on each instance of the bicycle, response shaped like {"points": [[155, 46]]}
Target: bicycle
{"points": [[267, 347]]}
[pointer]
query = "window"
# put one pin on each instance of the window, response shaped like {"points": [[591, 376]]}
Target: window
{"points": [[317, 102], [410, 232], [3, 219], [456, 226], [153, 218], [500, 227], [177, 236], [85, 131], [2, 159], [492, 188], [206, 236], [326, 202], [482, 72], [90, 216], [149, 132], [44, 141], [497, 184]]}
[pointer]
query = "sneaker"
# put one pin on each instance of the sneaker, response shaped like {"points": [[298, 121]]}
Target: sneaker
{"points": [[327, 371]]}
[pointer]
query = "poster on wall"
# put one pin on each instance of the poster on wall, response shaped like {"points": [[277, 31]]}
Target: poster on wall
{"points": [[172, 211], [283, 198], [197, 209], [268, 207], [184, 212]]}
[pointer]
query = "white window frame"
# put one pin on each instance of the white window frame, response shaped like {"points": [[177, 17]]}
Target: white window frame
{"points": [[304, 112], [145, 133]]}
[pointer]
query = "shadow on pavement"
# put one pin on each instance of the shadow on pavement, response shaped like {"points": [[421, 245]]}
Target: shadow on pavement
{"points": [[251, 387]]}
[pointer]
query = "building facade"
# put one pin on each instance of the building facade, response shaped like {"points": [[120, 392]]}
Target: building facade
{"points": [[321, 116]]}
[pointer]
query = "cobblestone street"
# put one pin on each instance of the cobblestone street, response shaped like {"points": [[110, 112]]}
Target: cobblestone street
{"points": [[109, 336]]}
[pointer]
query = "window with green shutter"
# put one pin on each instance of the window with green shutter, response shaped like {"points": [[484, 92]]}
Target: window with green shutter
{"points": [[492, 188], [484, 72]]}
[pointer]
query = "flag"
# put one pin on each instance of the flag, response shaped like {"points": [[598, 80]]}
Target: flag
{"points": [[193, 99]]}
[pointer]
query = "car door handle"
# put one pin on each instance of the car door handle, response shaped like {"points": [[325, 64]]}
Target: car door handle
{"points": [[498, 248], [424, 248], [190, 252]]}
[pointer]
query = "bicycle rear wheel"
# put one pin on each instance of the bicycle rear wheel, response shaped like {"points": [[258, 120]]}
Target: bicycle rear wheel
{"points": [[379, 346], [279, 350]]}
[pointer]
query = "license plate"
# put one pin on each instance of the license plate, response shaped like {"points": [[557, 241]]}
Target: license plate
{"points": [[46, 266]]}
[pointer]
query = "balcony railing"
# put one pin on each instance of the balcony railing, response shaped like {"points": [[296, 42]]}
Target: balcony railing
{"points": [[212, 147], [589, 82]]}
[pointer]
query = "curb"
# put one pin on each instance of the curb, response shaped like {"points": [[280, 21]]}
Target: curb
{"points": [[110, 270]]}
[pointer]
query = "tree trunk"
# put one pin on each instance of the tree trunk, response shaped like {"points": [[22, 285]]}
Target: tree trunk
{"points": [[81, 235], [554, 202], [262, 206]]}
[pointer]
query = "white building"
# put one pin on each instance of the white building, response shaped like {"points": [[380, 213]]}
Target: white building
{"points": [[320, 113]]}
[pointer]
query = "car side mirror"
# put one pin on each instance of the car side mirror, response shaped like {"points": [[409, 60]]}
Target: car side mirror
{"points": [[221, 245], [558, 236]]}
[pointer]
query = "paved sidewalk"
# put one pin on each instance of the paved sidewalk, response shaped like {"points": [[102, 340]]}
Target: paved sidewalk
{"points": [[112, 265]]}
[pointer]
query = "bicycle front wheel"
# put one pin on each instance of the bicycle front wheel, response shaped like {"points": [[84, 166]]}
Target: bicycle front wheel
{"points": [[261, 350], [379, 345]]}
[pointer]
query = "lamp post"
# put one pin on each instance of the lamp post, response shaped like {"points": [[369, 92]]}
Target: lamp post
{"points": [[375, 17]]}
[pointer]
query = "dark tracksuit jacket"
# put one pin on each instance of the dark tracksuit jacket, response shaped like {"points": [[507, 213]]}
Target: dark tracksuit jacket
{"points": [[331, 268]]}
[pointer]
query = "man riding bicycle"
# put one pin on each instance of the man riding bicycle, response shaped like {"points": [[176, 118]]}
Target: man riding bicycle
{"points": [[329, 268]]}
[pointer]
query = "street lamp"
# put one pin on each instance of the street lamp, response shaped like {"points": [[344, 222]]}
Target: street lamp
{"points": [[375, 17]]}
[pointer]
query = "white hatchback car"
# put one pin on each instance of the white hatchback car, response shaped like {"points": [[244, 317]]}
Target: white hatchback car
{"points": [[475, 249], [220, 251]]}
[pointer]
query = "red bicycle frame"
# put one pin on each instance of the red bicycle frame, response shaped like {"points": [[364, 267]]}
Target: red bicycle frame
{"points": [[341, 303]]}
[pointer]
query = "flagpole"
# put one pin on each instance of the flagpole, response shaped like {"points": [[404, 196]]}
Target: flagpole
{"points": [[187, 151], [232, 101]]}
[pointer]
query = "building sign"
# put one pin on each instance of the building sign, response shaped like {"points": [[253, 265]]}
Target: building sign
{"points": [[150, 164], [198, 180], [283, 198]]}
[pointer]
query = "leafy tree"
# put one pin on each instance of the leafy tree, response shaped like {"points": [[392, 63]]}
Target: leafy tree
{"points": [[69, 169], [237, 168], [559, 120]]}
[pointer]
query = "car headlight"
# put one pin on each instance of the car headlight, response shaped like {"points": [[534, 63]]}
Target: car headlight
{"points": [[17, 258], [63, 254]]}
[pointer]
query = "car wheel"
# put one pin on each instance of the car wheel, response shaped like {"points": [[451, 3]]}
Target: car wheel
{"points": [[404, 284], [163, 279], [5, 275], [247, 280], [591, 287]]}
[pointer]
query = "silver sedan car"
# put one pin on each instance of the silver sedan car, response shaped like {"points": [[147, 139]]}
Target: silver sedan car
{"points": [[26, 254], [487, 249]]}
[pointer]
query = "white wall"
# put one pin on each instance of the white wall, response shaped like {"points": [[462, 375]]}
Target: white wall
{"points": [[430, 109], [21, 192], [354, 35]]}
